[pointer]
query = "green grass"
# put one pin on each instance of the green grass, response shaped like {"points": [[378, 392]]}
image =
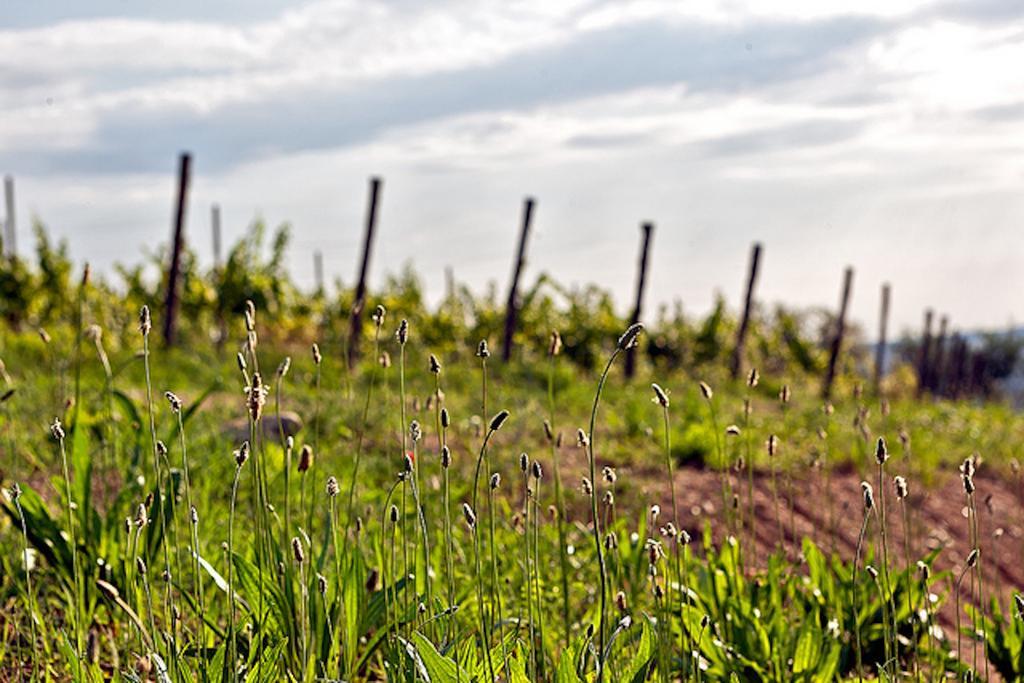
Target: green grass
{"points": [[493, 598]]}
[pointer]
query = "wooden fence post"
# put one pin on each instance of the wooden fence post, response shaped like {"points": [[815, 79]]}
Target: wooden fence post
{"points": [[957, 360], [318, 271], [936, 374], [736, 364], [883, 330], [10, 231], [925, 353], [837, 341], [177, 246], [215, 227], [355, 321], [641, 281], [511, 308]]}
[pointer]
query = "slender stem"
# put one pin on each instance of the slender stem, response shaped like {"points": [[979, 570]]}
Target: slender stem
{"points": [[231, 654], [73, 540], [597, 526], [959, 634], [28, 585], [855, 578], [158, 474], [563, 560], [197, 583], [360, 439]]}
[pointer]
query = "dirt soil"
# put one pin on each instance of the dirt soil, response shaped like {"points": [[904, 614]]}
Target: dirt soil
{"points": [[831, 514]]}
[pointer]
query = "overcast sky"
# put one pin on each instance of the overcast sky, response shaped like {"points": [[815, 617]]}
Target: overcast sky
{"points": [[882, 134]]}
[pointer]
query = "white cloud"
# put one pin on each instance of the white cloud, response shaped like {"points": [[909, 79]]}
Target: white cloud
{"points": [[869, 151]]}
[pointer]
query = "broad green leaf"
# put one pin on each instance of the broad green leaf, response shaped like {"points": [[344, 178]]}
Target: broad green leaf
{"points": [[439, 668]]}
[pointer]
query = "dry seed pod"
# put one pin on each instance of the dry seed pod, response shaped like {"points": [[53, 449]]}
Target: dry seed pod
{"points": [[629, 338], [881, 452], [174, 401], [869, 495], [469, 515], [588, 488], [554, 344], [242, 454], [498, 420], [620, 602], [901, 487], [305, 458], [660, 396]]}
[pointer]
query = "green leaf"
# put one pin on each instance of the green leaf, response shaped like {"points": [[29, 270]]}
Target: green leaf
{"points": [[806, 655], [439, 668], [636, 668]]}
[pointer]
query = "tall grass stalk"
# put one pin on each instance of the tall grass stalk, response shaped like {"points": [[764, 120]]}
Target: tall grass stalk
{"points": [[888, 607], [485, 637], [497, 615], [869, 504], [708, 395], [527, 571], [554, 348], [231, 654], [69, 503], [197, 579], [378, 321], [539, 612], [626, 341], [145, 326], [470, 512], [752, 380], [972, 561], [15, 493]]}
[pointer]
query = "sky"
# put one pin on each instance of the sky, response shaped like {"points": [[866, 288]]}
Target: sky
{"points": [[884, 135]]}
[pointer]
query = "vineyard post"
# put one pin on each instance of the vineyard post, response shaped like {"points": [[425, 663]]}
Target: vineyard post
{"points": [[177, 246], [837, 340], [318, 271], [925, 352], [938, 366], [883, 329], [511, 308], [10, 234], [741, 334], [641, 280], [957, 363], [218, 273], [355, 321], [215, 227]]}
